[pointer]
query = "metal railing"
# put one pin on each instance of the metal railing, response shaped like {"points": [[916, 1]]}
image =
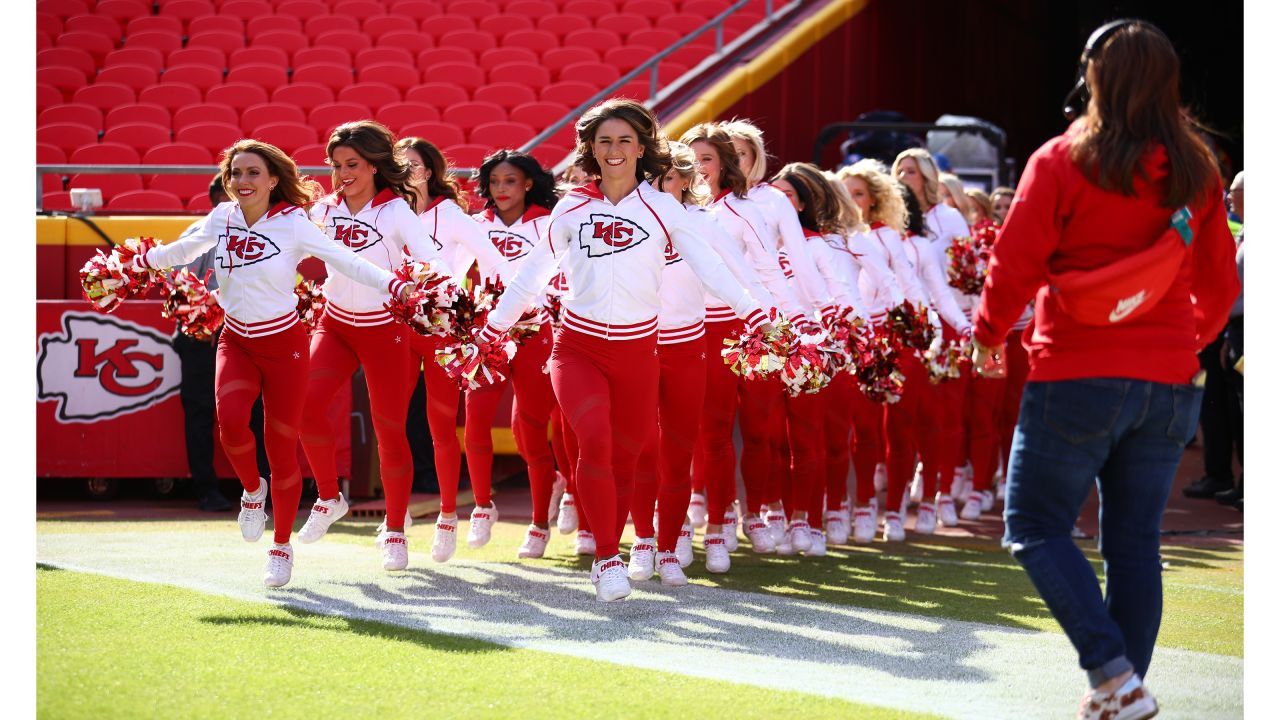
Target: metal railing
{"points": [[1002, 173]]}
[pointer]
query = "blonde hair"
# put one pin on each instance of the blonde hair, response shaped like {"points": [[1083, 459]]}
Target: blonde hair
{"points": [[848, 216], [290, 187], [746, 130], [956, 189], [928, 170], [684, 163], [731, 177], [981, 204], [887, 205]]}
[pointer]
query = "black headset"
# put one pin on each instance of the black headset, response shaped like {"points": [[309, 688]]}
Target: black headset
{"points": [[1075, 101]]}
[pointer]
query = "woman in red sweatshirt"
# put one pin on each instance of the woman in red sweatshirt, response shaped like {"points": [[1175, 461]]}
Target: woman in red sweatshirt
{"points": [[1112, 403]]}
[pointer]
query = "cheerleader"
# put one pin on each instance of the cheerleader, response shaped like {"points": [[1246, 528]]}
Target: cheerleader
{"points": [[612, 236], [454, 236], [518, 196], [368, 213], [259, 240]]}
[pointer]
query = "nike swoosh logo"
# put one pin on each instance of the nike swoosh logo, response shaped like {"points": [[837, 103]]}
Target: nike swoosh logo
{"points": [[1125, 307]]}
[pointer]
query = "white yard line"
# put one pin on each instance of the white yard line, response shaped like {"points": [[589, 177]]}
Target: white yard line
{"points": [[952, 668]]}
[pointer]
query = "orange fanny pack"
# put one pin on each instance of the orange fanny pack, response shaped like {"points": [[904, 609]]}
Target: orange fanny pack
{"points": [[1128, 288]]}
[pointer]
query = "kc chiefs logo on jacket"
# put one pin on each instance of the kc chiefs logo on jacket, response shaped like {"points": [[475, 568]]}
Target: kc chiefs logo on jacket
{"points": [[510, 245], [357, 235], [670, 255], [240, 246], [605, 235]]}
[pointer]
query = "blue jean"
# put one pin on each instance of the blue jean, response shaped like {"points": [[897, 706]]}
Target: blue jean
{"points": [[1128, 437]]}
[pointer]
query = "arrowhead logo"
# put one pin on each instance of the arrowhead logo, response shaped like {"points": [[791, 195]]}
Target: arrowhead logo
{"points": [[1125, 307], [510, 245], [355, 234], [605, 235], [240, 246]]}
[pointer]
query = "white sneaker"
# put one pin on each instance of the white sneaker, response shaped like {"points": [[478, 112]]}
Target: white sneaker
{"points": [[557, 491], [323, 514], [730, 531], [610, 579], [382, 526], [785, 548], [798, 534], [958, 477], [864, 525], [567, 520], [279, 566], [482, 520], [777, 522], [535, 543], [253, 514], [972, 509], [1131, 701], [395, 550], [926, 518], [875, 506], [586, 544], [669, 570], [759, 535], [846, 514], [917, 484], [445, 541], [697, 510], [640, 559], [893, 531], [684, 545], [947, 510], [837, 531], [817, 544], [881, 478], [988, 500], [717, 553]]}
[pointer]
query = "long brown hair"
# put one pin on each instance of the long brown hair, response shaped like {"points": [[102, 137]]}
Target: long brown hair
{"points": [[731, 177], [652, 163], [821, 211], [1133, 104], [441, 183], [290, 187], [376, 144]]}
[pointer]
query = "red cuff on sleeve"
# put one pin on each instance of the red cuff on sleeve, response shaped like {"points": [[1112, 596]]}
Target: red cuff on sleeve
{"points": [[755, 319]]}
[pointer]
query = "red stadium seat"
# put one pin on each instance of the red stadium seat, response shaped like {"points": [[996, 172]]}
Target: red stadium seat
{"points": [[375, 26], [657, 38], [588, 8], [400, 76], [62, 8], [357, 8], [417, 9], [272, 57], [538, 41], [96, 45], [181, 185], [378, 55], [267, 77], [555, 60], [48, 96], [474, 9], [103, 25], [104, 96], [315, 25], [500, 25], [349, 39], [466, 156], [56, 201], [438, 25], [145, 200], [506, 94], [134, 56], [684, 24], [550, 154], [74, 58], [171, 96], [325, 118], [331, 75], [207, 56], [255, 26], [531, 75], [539, 115], [75, 113], [624, 23], [597, 75], [287, 136], [410, 40], [201, 77], [215, 23], [668, 72], [303, 94], [435, 56], [636, 90], [302, 8], [178, 153], [371, 94], [397, 115], [204, 112], [627, 58], [561, 25], [185, 10], [138, 135], [313, 154], [42, 41], [154, 23], [135, 76], [441, 134], [224, 41], [264, 113], [598, 40], [110, 185], [237, 95], [498, 56], [67, 136], [704, 8], [199, 204], [652, 9], [138, 112], [436, 94], [568, 92], [47, 154], [474, 40], [212, 136], [162, 41], [290, 42], [471, 114], [68, 80], [310, 55], [49, 24], [108, 153], [246, 9], [464, 75], [501, 134]]}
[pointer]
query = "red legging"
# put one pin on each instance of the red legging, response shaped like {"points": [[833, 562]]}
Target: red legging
{"points": [[681, 382], [982, 414], [803, 455], [943, 443], [608, 391], [1019, 366], [868, 444], [442, 417], [903, 422], [530, 413], [337, 349], [837, 427], [276, 366], [565, 446]]}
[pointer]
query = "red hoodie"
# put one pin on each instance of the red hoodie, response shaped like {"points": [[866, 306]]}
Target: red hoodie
{"points": [[1060, 221]]}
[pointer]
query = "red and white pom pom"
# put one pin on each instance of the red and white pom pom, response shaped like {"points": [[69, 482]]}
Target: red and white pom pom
{"points": [[967, 264], [476, 365], [910, 327], [947, 363], [808, 368], [756, 355], [311, 302], [109, 279], [877, 366], [844, 337], [192, 304], [427, 309]]}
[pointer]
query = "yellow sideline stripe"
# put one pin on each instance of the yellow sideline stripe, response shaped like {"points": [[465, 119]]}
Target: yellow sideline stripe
{"points": [[750, 77], [51, 231]]}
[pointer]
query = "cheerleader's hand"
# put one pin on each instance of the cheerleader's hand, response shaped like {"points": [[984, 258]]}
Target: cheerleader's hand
{"points": [[988, 362], [487, 334]]}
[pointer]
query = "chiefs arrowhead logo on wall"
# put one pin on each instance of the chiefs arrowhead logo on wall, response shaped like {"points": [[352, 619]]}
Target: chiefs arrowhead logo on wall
{"points": [[357, 235], [605, 235], [100, 367], [240, 246], [510, 245]]}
